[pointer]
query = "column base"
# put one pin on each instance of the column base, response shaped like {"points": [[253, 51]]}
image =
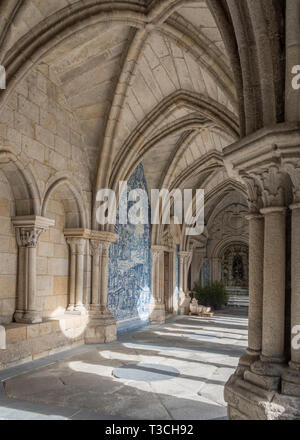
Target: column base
{"points": [[184, 306], [249, 358], [265, 375], [291, 380], [268, 368], [76, 310], [158, 314], [29, 317], [101, 328], [247, 401]]}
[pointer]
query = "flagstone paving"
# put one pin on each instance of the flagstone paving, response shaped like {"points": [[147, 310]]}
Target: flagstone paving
{"points": [[181, 368]]}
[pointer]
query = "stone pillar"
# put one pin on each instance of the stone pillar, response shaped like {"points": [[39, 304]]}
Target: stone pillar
{"points": [[184, 296], [215, 269], [256, 265], [268, 388], [76, 239], [295, 303], [80, 245], [104, 276], [274, 284], [28, 231], [72, 275], [196, 265], [101, 326], [158, 312], [96, 250], [291, 378]]}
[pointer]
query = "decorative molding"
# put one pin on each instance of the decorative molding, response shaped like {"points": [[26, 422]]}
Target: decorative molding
{"points": [[254, 194], [271, 184], [265, 155], [32, 221], [29, 229], [28, 237], [292, 167], [89, 234]]}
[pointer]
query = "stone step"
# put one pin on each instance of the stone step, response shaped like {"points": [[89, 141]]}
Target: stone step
{"points": [[238, 300]]}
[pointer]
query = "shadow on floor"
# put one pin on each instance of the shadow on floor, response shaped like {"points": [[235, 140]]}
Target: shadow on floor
{"points": [[83, 386]]}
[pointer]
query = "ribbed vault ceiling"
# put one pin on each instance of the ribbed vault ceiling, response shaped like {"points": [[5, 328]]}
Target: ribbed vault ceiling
{"points": [[115, 73]]}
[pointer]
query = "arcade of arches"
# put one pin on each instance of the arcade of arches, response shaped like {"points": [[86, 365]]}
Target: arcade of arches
{"points": [[163, 94]]}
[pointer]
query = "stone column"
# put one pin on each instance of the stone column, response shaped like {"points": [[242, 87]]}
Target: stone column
{"points": [[80, 245], [96, 250], [157, 313], [76, 238], [184, 297], [295, 303], [215, 269], [28, 231], [195, 266], [101, 326], [274, 284], [256, 265], [72, 275], [104, 277], [268, 389], [291, 377]]}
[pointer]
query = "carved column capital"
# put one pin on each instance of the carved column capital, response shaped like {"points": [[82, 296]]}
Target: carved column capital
{"points": [[29, 229], [96, 248], [72, 245], [77, 245], [185, 256], [100, 248], [105, 248], [156, 252], [28, 237], [292, 167], [271, 184], [100, 242], [255, 202]]}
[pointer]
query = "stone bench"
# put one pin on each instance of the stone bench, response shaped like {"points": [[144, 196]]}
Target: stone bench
{"points": [[27, 342]]}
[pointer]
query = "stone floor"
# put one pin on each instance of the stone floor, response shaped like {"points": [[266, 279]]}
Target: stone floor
{"points": [[181, 367]]}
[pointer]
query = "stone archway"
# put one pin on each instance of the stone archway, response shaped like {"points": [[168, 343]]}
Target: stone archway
{"points": [[235, 266]]}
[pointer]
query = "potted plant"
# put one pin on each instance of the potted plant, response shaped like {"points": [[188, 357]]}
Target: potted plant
{"points": [[212, 295]]}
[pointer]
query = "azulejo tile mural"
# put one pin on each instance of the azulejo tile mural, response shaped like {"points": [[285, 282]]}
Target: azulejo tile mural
{"points": [[129, 286]]}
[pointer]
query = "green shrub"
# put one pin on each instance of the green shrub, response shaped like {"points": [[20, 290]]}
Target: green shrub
{"points": [[212, 295]]}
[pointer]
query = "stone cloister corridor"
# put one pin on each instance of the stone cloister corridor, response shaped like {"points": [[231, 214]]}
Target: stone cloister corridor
{"points": [[150, 209], [203, 352]]}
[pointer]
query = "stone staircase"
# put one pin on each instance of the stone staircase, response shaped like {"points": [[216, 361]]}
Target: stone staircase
{"points": [[238, 297]]}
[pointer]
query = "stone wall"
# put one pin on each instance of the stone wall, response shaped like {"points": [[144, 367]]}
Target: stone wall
{"points": [[40, 133], [39, 128], [8, 253], [53, 264]]}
